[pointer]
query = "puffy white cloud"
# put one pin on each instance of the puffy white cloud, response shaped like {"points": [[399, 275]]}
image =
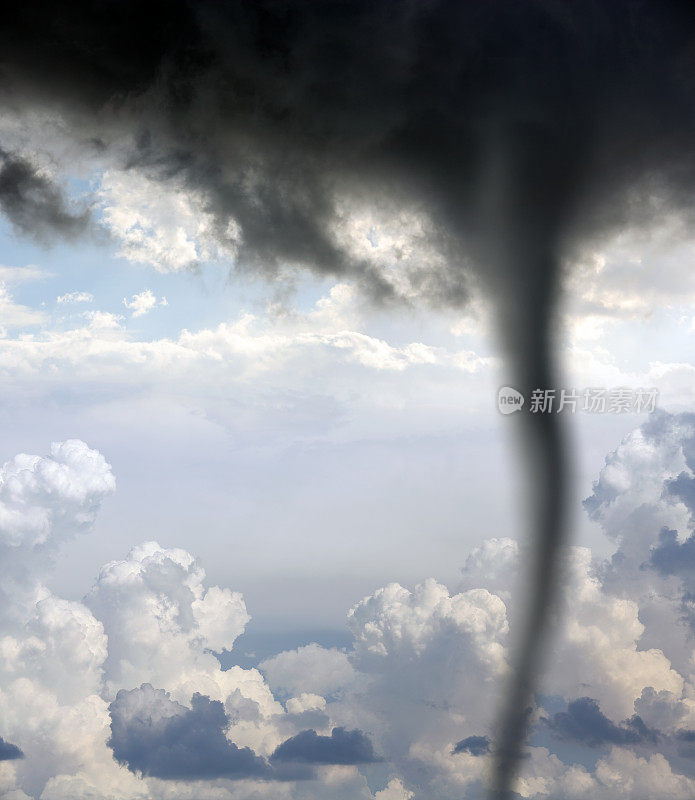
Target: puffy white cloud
{"points": [[47, 498], [429, 669], [161, 620], [51, 650], [492, 564], [164, 225], [424, 672], [628, 775], [640, 493], [394, 790], [312, 669], [103, 322], [635, 473], [600, 648], [142, 303], [61, 645], [394, 621], [58, 667], [305, 702]]}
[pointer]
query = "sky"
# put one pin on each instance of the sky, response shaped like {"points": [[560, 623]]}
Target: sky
{"points": [[264, 531]]}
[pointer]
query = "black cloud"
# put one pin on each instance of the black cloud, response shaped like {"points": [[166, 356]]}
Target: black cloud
{"points": [[34, 204], [496, 117], [9, 751], [475, 745], [341, 747], [153, 735], [584, 722]]}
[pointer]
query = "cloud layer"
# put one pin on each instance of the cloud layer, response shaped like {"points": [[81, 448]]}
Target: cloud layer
{"points": [[153, 735], [119, 696]]}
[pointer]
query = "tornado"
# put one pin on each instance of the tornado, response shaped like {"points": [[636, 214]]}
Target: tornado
{"points": [[525, 203]]}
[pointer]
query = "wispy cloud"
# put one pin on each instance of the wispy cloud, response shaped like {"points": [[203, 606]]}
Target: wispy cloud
{"points": [[75, 297], [16, 315], [30, 272]]}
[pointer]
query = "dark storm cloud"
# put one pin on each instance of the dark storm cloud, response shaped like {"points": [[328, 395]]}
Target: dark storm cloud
{"points": [[34, 204], [341, 747], [671, 557], [585, 723], [683, 488], [515, 125], [9, 751], [475, 745], [153, 735], [521, 128], [684, 741]]}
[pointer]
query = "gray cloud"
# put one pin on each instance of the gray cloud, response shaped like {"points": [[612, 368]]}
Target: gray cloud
{"points": [[34, 204], [683, 487], [341, 747], [671, 557], [153, 735], [9, 751], [496, 119], [475, 745], [584, 722]]}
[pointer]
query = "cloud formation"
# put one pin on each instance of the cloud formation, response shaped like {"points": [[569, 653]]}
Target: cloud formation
{"points": [[584, 722], [75, 297], [475, 745], [45, 498], [309, 669], [9, 751], [341, 747], [34, 204], [140, 304], [495, 123], [153, 735], [119, 696], [162, 621]]}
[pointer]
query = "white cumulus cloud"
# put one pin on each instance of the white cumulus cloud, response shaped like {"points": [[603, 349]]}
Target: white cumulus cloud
{"points": [[142, 303], [423, 675]]}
